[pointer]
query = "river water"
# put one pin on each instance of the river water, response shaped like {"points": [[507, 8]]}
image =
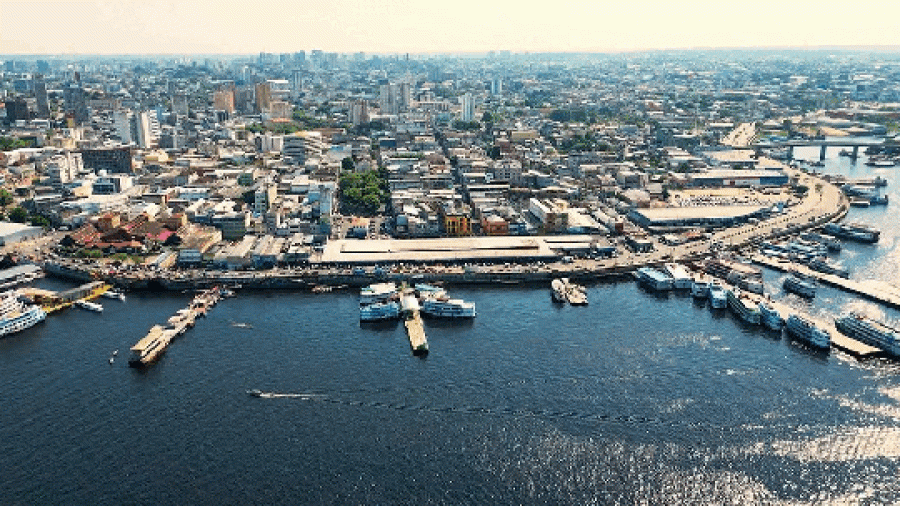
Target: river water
{"points": [[635, 399]]}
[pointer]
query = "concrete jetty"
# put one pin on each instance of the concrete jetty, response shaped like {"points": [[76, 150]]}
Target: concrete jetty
{"points": [[877, 291], [415, 329]]}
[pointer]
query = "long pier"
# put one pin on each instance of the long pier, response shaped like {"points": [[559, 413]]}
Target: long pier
{"points": [[412, 320], [838, 340], [873, 290], [149, 348]]}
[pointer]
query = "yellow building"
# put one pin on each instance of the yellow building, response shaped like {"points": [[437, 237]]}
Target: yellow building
{"points": [[457, 221]]}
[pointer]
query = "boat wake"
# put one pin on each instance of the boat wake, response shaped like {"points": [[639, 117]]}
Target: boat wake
{"points": [[274, 395]]}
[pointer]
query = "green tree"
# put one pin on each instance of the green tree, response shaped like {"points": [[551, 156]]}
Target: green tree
{"points": [[5, 198], [348, 164], [39, 221], [18, 215]]}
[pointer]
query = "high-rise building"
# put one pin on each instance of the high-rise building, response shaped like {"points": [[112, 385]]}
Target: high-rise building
{"points": [[76, 103], [497, 86], [359, 112], [147, 128], [40, 96], [467, 111], [263, 97], [180, 104], [389, 99], [141, 129], [223, 100], [405, 97], [124, 124], [17, 110]]}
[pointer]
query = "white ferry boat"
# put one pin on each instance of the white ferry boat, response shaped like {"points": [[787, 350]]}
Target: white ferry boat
{"points": [[654, 279], [769, 316], [448, 308], [718, 296], [379, 292], [871, 332], [558, 287], [90, 306], [112, 294], [681, 280], [700, 287], [16, 316], [743, 306], [379, 311], [806, 331]]}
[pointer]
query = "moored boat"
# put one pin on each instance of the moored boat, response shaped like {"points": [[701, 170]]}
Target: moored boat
{"points": [[379, 311], [558, 287], [700, 287], [681, 280], [801, 287], [16, 315], [853, 231], [378, 292], [769, 317], [90, 306], [806, 331], [654, 279], [743, 306], [871, 332], [718, 296], [448, 308]]}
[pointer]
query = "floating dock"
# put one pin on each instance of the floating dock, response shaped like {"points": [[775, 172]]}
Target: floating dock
{"points": [[877, 291], [415, 329], [52, 302], [154, 344]]}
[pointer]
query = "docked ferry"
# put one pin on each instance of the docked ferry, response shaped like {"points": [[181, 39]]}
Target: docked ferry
{"points": [[654, 279], [769, 317], [16, 316], [379, 292], [448, 308], [871, 332], [822, 265], [379, 311], [559, 287], [801, 287], [806, 331], [743, 306], [853, 231], [700, 287], [718, 296], [681, 280]]}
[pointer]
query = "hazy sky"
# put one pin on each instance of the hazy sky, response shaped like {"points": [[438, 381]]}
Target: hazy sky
{"points": [[250, 26]]}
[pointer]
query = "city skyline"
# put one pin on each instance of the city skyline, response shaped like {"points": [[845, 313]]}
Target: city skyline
{"points": [[203, 27]]}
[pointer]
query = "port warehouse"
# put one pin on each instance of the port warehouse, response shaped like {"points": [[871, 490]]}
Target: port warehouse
{"points": [[462, 249], [11, 233], [738, 178], [701, 216]]}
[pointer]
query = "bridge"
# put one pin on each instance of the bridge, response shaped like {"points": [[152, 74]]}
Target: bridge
{"points": [[823, 144]]}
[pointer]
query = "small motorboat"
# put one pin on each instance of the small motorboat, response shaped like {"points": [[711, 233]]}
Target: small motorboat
{"points": [[255, 392]]}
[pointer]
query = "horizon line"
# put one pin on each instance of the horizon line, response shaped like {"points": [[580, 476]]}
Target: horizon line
{"points": [[837, 47]]}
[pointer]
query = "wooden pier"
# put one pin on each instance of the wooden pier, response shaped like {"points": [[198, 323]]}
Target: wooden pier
{"points": [[877, 291]]}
